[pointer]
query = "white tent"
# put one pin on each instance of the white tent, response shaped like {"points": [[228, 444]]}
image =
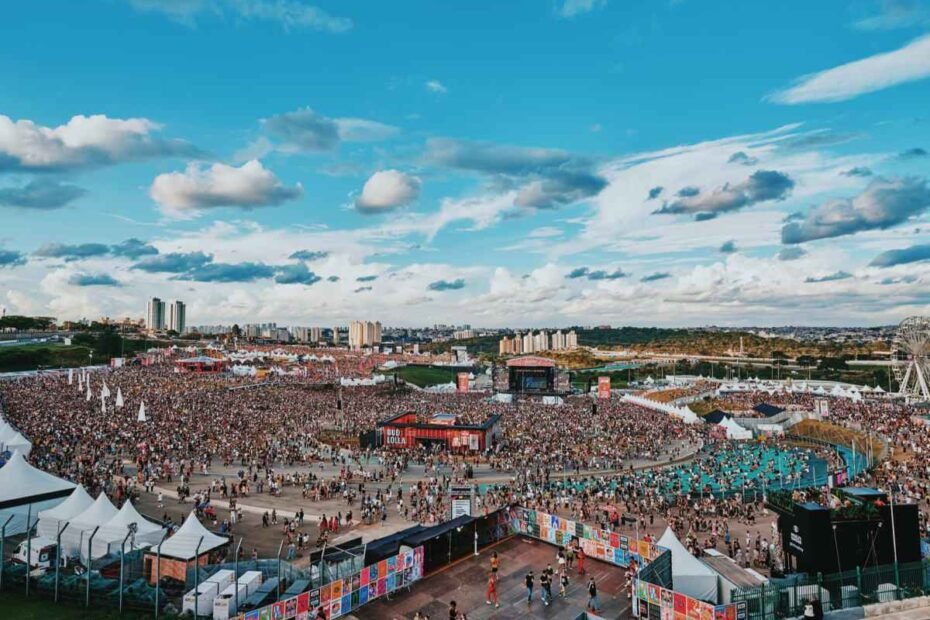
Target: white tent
{"points": [[25, 491], [7, 433], [74, 540], [734, 430], [104, 391], [51, 520], [110, 536], [690, 576], [17, 442], [183, 544]]}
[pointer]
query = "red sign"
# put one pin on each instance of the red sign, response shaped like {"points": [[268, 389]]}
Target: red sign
{"points": [[603, 387], [462, 382]]}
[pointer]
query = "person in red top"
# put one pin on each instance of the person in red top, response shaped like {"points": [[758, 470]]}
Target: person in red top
{"points": [[580, 561], [492, 590]]}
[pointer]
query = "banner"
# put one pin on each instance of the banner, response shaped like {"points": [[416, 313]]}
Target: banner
{"points": [[603, 387], [344, 596], [462, 382], [654, 601]]}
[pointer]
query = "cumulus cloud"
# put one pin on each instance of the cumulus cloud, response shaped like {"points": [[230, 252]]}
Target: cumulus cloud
{"points": [[174, 262], [228, 272], [654, 192], [884, 203], [913, 153], [728, 247], [93, 279], [84, 141], [296, 274], [447, 285], [903, 256], [578, 272], [40, 194], [858, 171], [740, 157], [653, 277], [308, 255], [366, 278], [220, 185], [832, 277], [595, 275], [435, 86], [11, 258], [307, 130], [791, 253], [571, 8], [288, 14], [878, 72], [550, 177], [386, 190], [761, 186], [133, 248], [362, 289], [74, 252]]}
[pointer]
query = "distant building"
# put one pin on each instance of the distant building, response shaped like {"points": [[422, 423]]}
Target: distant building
{"points": [[177, 316], [540, 341], [335, 335], [155, 314], [364, 334]]}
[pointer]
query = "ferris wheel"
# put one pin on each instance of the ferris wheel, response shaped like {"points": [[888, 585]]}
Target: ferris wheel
{"points": [[910, 358]]}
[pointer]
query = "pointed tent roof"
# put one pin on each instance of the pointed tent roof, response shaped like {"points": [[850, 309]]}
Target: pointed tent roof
{"points": [[690, 576], [77, 502], [127, 515], [101, 511], [21, 483], [716, 416], [183, 544]]}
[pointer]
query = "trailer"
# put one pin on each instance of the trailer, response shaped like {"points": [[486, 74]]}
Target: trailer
{"points": [[224, 605], [264, 595], [200, 601]]}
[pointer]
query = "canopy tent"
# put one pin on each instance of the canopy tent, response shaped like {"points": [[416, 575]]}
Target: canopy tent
{"points": [[110, 536], [767, 410], [690, 576], [25, 491], [74, 539], [51, 520], [716, 416], [734, 430], [184, 543]]}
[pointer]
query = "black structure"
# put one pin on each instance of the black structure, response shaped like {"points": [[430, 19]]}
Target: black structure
{"points": [[816, 538]]}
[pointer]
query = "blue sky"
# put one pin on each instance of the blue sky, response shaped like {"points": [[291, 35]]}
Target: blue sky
{"points": [[522, 163]]}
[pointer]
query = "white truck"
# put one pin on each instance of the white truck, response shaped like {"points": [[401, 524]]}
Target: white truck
{"points": [[42, 552]]}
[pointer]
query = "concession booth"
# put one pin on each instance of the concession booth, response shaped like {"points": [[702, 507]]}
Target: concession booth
{"points": [[407, 430]]}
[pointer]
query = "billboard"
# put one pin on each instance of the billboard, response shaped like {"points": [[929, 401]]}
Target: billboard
{"points": [[822, 407], [462, 382], [603, 387]]}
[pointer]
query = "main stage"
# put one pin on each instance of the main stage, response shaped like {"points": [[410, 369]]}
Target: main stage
{"points": [[531, 375]]}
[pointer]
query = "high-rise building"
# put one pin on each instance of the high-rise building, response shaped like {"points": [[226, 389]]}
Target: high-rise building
{"points": [[364, 334], [335, 335], [155, 314], [571, 340], [177, 316]]}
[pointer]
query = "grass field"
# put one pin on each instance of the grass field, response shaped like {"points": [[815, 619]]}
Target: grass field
{"points": [[425, 376], [44, 355]]}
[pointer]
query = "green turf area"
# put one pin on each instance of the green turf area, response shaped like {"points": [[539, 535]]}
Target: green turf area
{"points": [[43, 355], [425, 376], [15, 606]]}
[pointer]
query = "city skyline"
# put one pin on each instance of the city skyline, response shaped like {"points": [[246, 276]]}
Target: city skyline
{"points": [[672, 163]]}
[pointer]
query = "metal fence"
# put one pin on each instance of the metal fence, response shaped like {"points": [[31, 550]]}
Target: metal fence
{"points": [[785, 598]]}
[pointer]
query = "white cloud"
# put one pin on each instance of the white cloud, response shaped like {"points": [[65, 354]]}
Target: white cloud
{"points": [[81, 142], [289, 14], [219, 185], [386, 190], [571, 8], [435, 86], [907, 64]]}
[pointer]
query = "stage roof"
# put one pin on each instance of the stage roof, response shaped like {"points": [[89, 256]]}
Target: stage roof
{"points": [[530, 361]]}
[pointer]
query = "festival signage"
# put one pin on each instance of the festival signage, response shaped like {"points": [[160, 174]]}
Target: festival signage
{"points": [[603, 387], [655, 602], [343, 596], [597, 544]]}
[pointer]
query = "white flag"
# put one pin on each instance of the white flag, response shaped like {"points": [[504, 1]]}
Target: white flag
{"points": [[119, 398], [103, 406], [88, 391], [70, 376], [105, 392], [141, 416]]}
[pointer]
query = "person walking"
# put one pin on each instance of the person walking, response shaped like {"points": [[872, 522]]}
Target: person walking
{"points": [[593, 603], [529, 587], [492, 590], [563, 583], [580, 561], [545, 591], [495, 562]]}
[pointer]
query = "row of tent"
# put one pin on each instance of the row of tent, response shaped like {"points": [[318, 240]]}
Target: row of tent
{"points": [[11, 440], [853, 392], [684, 413]]}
